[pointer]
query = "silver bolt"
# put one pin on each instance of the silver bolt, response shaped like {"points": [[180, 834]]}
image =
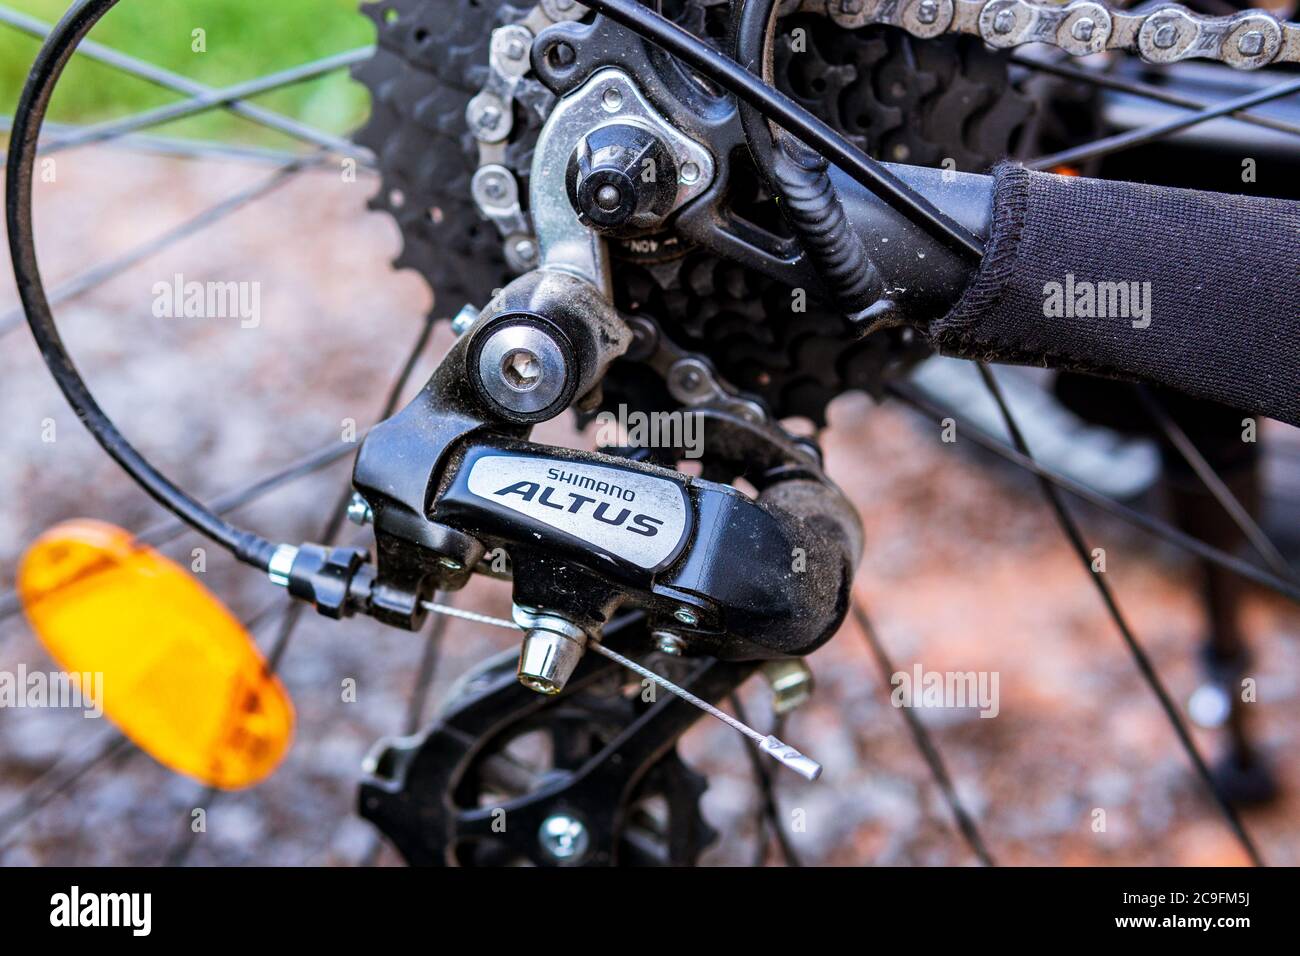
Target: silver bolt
{"points": [[1082, 29], [464, 319], [690, 173], [359, 512], [564, 837], [927, 11], [686, 616], [1251, 43], [1004, 21], [612, 100], [526, 250], [522, 368], [1165, 37], [451, 564], [669, 644]]}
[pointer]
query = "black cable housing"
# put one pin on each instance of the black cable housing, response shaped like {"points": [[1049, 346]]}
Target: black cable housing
{"points": [[24, 140]]}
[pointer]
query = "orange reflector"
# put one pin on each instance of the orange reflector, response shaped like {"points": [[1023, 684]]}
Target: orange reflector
{"points": [[181, 677]]}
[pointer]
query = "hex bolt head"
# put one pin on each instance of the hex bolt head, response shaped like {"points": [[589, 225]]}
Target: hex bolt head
{"points": [[359, 512], [464, 319], [522, 369], [669, 643], [563, 837], [1251, 43]]}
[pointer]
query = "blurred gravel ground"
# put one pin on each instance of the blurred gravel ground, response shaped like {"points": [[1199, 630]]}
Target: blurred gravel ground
{"points": [[965, 570]]}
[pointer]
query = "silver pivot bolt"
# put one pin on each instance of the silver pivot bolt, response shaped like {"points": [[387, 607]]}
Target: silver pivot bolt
{"points": [[523, 369]]}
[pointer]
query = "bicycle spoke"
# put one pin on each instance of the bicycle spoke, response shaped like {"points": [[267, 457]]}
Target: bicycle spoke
{"points": [[180, 84], [1158, 131], [1215, 485], [169, 529], [205, 102], [1071, 529], [294, 609], [769, 814], [925, 744], [97, 276], [428, 667], [1145, 90], [61, 777], [1154, 526], [177, 148], [417, 703], [65, 774]]}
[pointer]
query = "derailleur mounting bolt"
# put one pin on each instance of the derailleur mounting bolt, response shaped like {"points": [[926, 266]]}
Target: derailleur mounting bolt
{"points": [[523, 369], [686, 616]]}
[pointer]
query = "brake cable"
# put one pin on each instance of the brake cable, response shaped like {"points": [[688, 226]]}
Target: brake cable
{"points": [[62, 43]]}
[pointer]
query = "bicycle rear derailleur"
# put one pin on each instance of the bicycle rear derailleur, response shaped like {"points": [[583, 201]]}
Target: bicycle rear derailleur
{"points": [[453, 476]]}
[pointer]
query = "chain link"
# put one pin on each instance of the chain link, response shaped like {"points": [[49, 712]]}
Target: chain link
{"points": [[1165, 34]]}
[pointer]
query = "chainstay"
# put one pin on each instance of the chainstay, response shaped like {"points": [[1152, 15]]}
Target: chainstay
{"points": [[1164, 34]]}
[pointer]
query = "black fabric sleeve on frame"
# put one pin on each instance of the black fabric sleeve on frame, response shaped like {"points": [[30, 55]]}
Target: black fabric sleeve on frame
{"points": [[1193, 290]]}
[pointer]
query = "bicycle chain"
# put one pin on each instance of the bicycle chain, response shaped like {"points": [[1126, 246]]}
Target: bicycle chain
{"points": [[1170, 32]]}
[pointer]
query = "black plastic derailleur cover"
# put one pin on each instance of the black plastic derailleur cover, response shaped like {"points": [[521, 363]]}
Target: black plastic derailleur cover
{"points": [[587, 533]]}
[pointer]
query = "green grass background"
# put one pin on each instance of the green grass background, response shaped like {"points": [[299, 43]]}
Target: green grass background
{"points": [[245, 39]]}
